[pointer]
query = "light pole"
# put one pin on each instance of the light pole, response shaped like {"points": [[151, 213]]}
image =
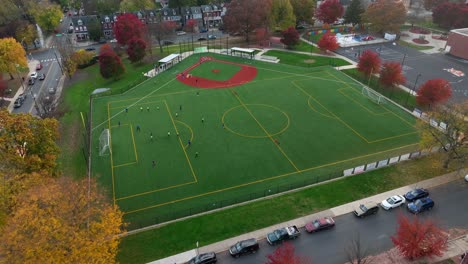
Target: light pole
{"points": [[412, 90], [35, 105]]}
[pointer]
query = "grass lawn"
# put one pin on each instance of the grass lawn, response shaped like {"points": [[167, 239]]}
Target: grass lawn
{"points": [[305, 60], [414, 46], [257, 138], [181, 236], [306, 47]]}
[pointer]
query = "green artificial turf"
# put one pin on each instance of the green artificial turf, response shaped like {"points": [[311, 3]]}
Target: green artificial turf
{"points": [[305, 60], [287, 128]]}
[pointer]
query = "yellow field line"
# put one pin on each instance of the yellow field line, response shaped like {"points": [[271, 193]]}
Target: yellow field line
{"points": [[411, 125], [125, 164], [152, 96], [310, 97], [355, 101], [392, 137], [180, 141], [266, 132], [110, 150], [262, 180], [157, 190], [191, 131], [134, 145]]}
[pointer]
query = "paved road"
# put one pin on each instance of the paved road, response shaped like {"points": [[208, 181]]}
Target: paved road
{"points": [[327, 247], [430, 66]]}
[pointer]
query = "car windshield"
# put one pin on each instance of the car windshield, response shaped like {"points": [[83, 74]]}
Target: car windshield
{"points": [[414, 192], [390, 201], [363, 207], [280, 232], [316, 223], [239, 246], [418, 203]]}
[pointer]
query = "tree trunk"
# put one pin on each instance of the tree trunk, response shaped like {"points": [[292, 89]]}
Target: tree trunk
{"points": [[11, 76]]}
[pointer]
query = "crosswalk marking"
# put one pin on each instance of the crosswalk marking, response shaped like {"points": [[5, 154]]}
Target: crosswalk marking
{"points": [[48, 60]]}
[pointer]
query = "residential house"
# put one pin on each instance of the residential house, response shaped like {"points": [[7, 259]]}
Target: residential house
{"points": [[80, 28], [141, 16], [107, 25], [171, 14], [197, 15], [211, 15], [152, 16]]}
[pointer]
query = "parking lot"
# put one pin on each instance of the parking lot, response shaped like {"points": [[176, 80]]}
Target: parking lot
{"points": [[428, 66]]}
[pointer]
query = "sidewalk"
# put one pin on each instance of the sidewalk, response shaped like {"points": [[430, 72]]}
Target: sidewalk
{"points": [[27, 89], [456, 246], [437, 44]]}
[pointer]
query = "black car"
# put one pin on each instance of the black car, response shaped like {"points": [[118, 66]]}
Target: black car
{"points": [[366, 209], [416, 194], [31, 81], [421, 205], [19, 101], [167, 42], [201, 39], [244, 247], [205, 258], [41, 77], [90, 49]]}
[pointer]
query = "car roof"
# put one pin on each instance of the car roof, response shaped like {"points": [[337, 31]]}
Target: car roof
{"points": [[396, 198], [248, 242], [426, 200]]}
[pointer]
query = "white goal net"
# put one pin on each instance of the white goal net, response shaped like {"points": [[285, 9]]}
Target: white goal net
{"points": [[373, 95], [104, 143]]}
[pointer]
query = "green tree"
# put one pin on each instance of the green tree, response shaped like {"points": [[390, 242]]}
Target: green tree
{"points": [[47, 15], [136, 5], [107, 6], [386, 16], [354, 12], [94, 29], [303, 10], [9, 12], [182, 3], [26, 33], [282, 15]]}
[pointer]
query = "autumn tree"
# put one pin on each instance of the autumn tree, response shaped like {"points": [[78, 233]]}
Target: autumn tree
{"points": [[62, 221], [12, 56], [369, 63], [160, 30], [433, 92], [303, 11], [329, 11], [262, 35], [416, 238], [82, 57], [128, 26], [285, 254], [106, 6], [391, 74], [450, 15], [46, 14], [94, 29], [136, 5], [66, 50], [290, 37], [354, 12], [26, 33], [453, 139], [385, 15], [328, 42], [182, 3], [3, 87], [281, 15], [244, 16], [136, 49], [110, 64]]}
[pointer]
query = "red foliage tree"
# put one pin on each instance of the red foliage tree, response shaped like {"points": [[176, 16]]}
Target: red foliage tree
{"points": [[244, 16], [262, 35], [369, 63], [290, 37], [110, 64], [136, 49], [450, 15], [190, 26], [284, 254], [329, 11], [418, 238], [328, 42], [128, 26], [433, 92], [391, 74]]}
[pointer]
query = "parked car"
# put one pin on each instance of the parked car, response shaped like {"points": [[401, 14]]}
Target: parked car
{"points": [[211, 37], [340, 21], [320, 224], [421, 205], [201, 38], [38, 66], [279, 235], [113, 41], [392, 202], [90, 49], [367, 38], [366, 209], [41, 77], [205, 258], [52, 90], [102, 41], [180, 33], [31, 81], [416, 194], [203, 30], [244, 247], [466, 178], [34, 75], [19, 101], [167, 42]]}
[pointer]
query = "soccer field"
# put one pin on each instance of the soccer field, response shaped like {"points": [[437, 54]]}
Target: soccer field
{"points": [[216, 130]]}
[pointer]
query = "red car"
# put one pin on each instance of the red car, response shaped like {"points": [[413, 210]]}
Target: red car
{"points": [[367, 38], [39, 66], [320, 224]]}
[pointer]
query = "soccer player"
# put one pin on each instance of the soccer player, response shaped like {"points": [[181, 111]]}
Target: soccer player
{"points": [[141, 108], [176, 114], [151, 136], [189, 142], [168, 133], [203, 120], [147, 108], [180, 107], [154, 163], [126, 109], [196, 154], [138, 128]]}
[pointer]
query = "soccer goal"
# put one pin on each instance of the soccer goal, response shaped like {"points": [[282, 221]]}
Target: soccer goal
{"points": [[373, 95], [104, 143]]}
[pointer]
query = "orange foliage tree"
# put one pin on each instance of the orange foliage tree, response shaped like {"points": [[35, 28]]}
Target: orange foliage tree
{"points": [[417, 238], [328, 42], [58, 221], [433, 92], [369, 63]]}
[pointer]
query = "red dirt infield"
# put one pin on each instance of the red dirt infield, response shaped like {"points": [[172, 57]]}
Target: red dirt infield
{"points": [[244, 75]]}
